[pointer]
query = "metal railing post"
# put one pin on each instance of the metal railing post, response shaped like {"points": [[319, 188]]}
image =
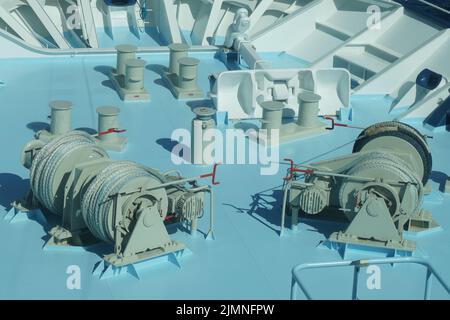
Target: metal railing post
{"points": [[357, 264]]}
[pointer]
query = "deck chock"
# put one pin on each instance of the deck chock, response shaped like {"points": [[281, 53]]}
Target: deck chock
{"points": [[10, 214], [172, 258], [210, 235], [16, 215], [99, 268], [349, 250], [20, 216], [105, 270]]}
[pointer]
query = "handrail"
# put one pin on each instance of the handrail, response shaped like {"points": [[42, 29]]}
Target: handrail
{"points": [[298, 283], [439, 13], [434, 6], [30, 51]]}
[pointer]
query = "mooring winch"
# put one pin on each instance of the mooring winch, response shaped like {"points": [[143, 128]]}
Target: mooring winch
{"points": [[119, 202], [379, 188]]}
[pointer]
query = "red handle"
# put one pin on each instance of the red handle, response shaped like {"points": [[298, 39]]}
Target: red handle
{"points": [[112, 130], [334, 123], [212, 174], [169, 217], [292, 169]]}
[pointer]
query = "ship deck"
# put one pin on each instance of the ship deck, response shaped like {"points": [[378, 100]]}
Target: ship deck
{"points": [[248, 259]]}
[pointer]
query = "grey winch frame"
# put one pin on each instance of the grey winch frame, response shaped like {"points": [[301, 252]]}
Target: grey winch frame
{"points": [[119, 202], [378, 188]]}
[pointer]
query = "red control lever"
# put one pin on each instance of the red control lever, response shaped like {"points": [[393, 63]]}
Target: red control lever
{"points": [[112, 130], [212, 174], [337, 124], [292, 170], [334, 123], [169, 217]]}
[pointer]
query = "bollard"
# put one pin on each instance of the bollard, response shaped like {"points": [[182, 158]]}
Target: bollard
{"points": [[177, 52], [61, 117], [272, 114], [203, 121], [108, 118], [125, 52], [187, 79], [308, 109], [134, 75]]}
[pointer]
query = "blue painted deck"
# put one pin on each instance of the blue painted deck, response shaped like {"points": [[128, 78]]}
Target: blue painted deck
{"points": [[108, 38], [248, 260]]}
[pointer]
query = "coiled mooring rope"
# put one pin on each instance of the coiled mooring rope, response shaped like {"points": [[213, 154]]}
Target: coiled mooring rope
{"points": [[98, 199], [50, 157], [388, 163]]}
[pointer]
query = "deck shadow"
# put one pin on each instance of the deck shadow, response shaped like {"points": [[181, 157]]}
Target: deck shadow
{"points": [[173, 146], [12, 187], [245, 126], [439, 177], [159, 69], [38, 126], [266, 207], [108, 84], [90, 131], [106, 71], [200, 103]]}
